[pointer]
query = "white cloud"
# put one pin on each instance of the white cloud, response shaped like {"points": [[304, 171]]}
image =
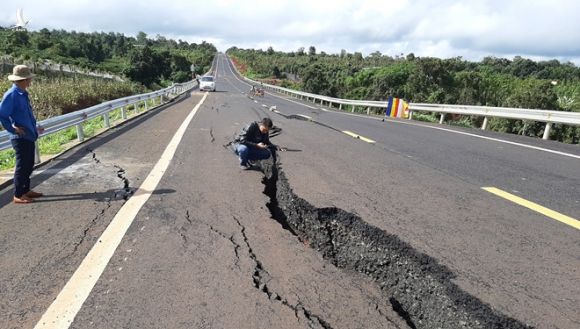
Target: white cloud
{"points": [[441, 28]]}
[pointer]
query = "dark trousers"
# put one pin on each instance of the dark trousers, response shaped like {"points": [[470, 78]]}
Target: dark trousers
{"points": [[251, 153], [24, 164]]}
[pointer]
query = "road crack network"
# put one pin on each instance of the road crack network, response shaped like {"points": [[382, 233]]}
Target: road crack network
{"points": [[261, 278], [183, 234], [126, 191]]}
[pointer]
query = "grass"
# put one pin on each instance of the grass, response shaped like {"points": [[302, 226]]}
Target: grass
{"points": [[425, 117]]}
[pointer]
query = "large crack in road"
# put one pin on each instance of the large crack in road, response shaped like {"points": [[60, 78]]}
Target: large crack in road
{"points": [[419, 289]]}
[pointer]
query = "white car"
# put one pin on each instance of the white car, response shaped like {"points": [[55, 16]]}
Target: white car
{"points": [[206, 83]]}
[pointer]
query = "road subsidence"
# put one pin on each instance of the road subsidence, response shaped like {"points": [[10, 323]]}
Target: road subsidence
{"points": [[419, 289]]}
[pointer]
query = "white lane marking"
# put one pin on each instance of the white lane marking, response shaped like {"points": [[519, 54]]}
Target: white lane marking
{"points": [[69, 301], [463, 133], [431, 127], [256, 102], [295, 102], [264, 105], [491, 139], [458, 132], [217, 65], [304, 116], [271, 94]]}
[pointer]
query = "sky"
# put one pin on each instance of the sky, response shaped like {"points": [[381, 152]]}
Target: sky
{"points": [[472, 29]]}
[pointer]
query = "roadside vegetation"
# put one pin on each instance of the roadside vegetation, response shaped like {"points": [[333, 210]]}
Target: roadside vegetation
{"points": [[518, 83], [150, 61], [50, 96]]}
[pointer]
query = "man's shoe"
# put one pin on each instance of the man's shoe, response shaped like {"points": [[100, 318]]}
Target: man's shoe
{"points": [[244, 167], [23, 199], [33, 194]]}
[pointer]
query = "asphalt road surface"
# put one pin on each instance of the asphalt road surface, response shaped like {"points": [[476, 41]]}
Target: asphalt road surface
{"points": [[204, 251]]}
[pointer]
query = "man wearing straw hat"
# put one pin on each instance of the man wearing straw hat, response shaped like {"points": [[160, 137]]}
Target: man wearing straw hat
{"points": [[17, 118]]}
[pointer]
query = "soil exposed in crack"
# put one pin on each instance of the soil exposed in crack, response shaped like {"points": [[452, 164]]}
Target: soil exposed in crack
{"points": [[419, 289]]}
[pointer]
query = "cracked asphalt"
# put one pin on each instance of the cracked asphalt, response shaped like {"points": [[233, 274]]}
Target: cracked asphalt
{"points": [[205, 252]]}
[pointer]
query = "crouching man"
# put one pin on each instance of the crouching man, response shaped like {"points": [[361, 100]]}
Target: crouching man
{"points": [[253, 143]]}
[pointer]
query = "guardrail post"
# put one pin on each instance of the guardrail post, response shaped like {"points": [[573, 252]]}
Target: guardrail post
{"points": [[340, 106], [80, 133], [410, 115], [146, 105], [352, 109], [547, 130], [123, 113], [484, 125], [368, 110], [36, 153], [442, 118], [106, 120]]}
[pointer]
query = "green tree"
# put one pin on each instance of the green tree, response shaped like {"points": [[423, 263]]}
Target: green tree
{"points": [[311, 51]]}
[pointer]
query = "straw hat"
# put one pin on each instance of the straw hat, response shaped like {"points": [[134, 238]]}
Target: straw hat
{"points": [[20, 72]]}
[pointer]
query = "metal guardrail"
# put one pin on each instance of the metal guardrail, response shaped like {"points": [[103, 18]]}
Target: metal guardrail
{"points": [[549, 117], [77, 118]]}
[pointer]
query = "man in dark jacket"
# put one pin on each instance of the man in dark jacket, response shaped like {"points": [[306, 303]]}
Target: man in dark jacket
{"points": [[17, 118], [253, 143]]}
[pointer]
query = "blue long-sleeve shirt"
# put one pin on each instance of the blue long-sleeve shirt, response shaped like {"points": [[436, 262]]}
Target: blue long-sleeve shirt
{"points": [[15, 110]]}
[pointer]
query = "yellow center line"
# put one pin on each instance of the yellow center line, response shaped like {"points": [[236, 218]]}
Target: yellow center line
{"points": [[535, 207], [357, 136]]}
